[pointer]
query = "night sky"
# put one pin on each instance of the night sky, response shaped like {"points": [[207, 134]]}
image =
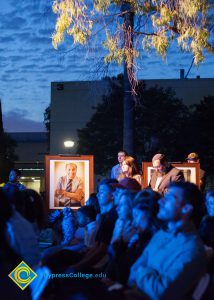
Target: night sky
{"points": [[29, 63]]}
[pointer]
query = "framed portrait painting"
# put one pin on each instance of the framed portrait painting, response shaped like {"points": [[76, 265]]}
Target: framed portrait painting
{"points": [[191, 172], [69, 180]]}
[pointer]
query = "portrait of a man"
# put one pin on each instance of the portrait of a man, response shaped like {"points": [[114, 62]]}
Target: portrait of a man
{"points": [[68, 180], [69, 190]]}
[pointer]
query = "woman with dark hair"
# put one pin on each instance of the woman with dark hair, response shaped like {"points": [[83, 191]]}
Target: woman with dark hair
{"points": [[130, 169]]}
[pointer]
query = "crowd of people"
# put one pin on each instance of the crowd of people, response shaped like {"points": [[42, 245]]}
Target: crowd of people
{"points": [[154, 242]]}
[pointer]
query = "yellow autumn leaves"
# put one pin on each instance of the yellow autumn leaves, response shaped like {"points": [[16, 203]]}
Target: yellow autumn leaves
{"points": [[184, 20], [73, 20]]}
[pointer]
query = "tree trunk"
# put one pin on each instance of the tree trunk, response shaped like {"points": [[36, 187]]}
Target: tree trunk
{"points": [[128, 99]]}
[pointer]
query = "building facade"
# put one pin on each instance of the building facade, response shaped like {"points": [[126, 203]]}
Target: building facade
{"points": [[31, 148]]}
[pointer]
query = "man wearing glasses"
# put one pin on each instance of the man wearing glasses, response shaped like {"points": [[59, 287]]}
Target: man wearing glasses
{"points": [[164, 174]]}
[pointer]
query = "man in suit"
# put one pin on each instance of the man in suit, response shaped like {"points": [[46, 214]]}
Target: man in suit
{"points": [[164, 174]]}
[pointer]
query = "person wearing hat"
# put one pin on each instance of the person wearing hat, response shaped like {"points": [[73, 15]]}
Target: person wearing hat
{"points": [[193, 158], [129, 184], [164, 174]]}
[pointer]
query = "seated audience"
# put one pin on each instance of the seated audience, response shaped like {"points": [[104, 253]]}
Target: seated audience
{"points": [[126, 251], [97, 255], [174, 261], [61, 256]]}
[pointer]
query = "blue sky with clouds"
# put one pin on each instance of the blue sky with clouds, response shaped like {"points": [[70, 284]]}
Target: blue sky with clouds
{"points": [[29, 63]]}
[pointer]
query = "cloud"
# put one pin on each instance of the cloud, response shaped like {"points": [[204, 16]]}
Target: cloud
{"points": [[6, 39], [12, 23], [17, 122], [17, 58], [40, 40], [46, 32], [44, 86], [10, 71], [31, 66], [30, 51], [53, 72], [52, 66], [23, 36]]}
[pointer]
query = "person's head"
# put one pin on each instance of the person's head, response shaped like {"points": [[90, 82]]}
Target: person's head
{"points": [[144, 216], [206, 231], [124, 206], [192, 158], [105, 191], [121, 156], [180, 203], [126, 198], [128, 184], [124, 212], [85, 215], [71, 170], [159, 163], [129, 166], [116, 194], [147, 196], [14, 175], [30, 204], [92, 200], [209, 200]]}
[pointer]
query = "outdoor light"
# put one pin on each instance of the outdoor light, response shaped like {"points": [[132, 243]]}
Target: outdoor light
{"points": [[68, 144]]}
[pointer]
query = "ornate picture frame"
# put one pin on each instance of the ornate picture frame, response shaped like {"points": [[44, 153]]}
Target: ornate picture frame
{"points": [[62, 192]]}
